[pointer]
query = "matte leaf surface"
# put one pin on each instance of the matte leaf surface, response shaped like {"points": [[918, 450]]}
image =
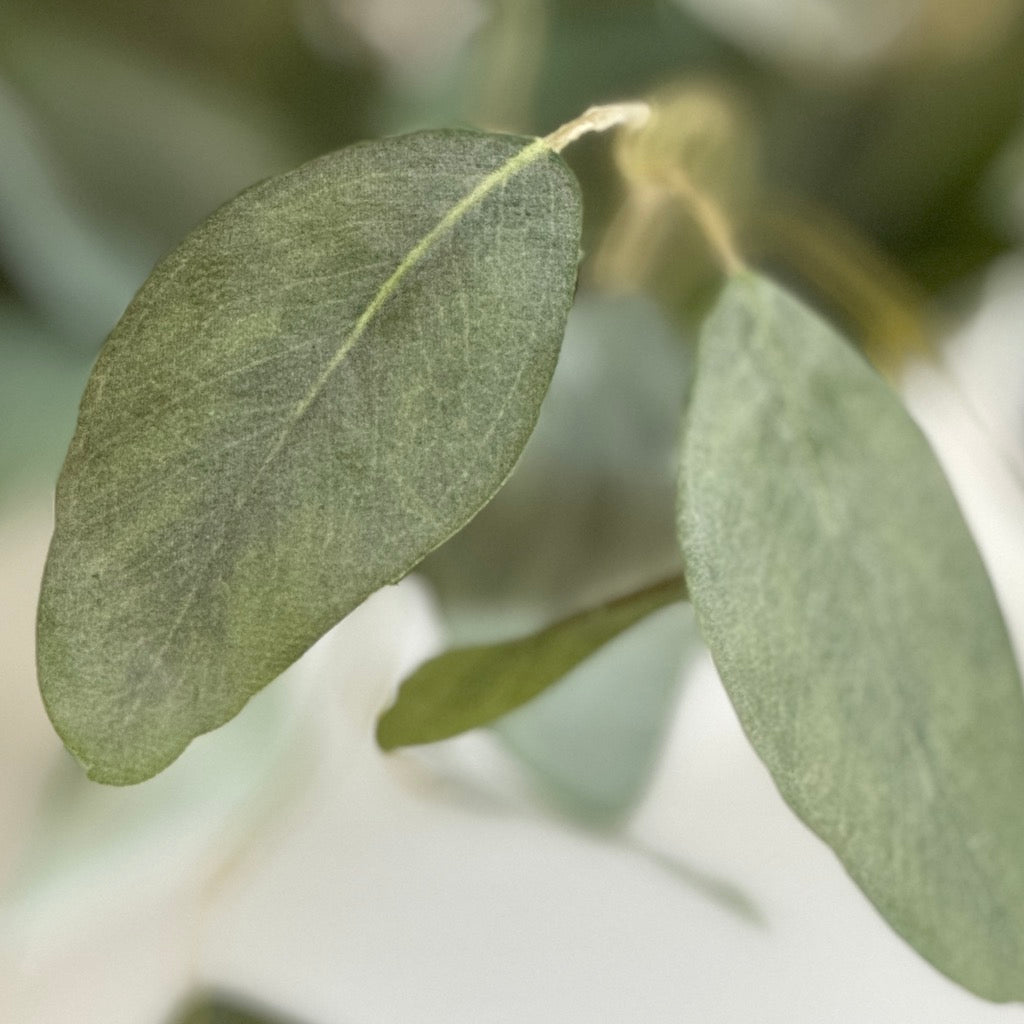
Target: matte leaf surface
{"points": [[220, 1008], [472, 686], [326, 380], [856, 630]]}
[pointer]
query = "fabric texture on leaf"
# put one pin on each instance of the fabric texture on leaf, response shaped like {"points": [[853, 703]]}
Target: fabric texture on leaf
{"points": [[855, 628], [327, 379], [472, 686]]}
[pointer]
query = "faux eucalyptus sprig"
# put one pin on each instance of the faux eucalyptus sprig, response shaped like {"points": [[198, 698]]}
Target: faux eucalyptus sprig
{"points": [[339, 368]]}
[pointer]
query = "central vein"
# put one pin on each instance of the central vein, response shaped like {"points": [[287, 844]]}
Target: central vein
{"points": [[534, 151]]}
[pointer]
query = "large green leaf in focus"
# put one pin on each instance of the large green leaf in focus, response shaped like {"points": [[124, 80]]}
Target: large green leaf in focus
{"points": [[856, 631], [472, 686], [325, 381]]}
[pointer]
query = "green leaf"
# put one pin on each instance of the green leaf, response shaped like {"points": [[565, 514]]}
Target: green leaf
{"points": [[322, 384], [218, 1008], [472, 686], [856, 630]]}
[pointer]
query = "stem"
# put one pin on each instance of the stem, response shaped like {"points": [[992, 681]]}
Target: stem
{"points": [[710, 219], [706, 211], [598, 119]]}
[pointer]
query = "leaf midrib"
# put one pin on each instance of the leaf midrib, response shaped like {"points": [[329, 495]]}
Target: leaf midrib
{"points": [[486, 185]]}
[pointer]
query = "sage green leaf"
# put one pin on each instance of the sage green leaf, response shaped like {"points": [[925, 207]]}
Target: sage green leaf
{"points": [[472, 686], [323, 383], [855, 628]]}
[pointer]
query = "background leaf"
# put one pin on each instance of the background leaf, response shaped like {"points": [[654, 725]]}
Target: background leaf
{"points": [[592, 741], [324, 382], [856, 631], [472, 686], [219, 1008], [38, 391]]}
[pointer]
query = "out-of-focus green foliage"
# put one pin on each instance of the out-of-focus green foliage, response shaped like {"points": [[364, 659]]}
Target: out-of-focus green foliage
{"points": [[40, 385], [223, 1009]]}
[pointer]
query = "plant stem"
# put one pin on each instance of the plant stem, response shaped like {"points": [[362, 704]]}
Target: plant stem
{"points": [[598, 119], [710, 219]]}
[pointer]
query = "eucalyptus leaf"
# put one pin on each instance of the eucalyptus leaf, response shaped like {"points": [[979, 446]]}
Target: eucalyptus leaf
{"points": [[39, 385], [144, 144], [472, 686], [855, 628], [324, 382]]}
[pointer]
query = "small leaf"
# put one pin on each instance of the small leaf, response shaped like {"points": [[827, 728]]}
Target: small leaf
{"points": [[472, 686], [323, 383], [220, 1008], [856, 630]]}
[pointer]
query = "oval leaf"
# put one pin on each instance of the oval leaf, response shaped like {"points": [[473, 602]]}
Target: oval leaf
{"points": [[472, 686], [325, 381], [223, 1008], [856, 630]]}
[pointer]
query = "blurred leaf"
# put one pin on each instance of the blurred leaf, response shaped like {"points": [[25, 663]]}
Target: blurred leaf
{"points": [[592, 740], [472, 686], [79, 271], [900, 154], [1004, 187], [224, 1009], [913, 183], [324, 382], [536, 63], [147, 146], [856, 631], [832, 39], [39, 391], [265, 58], [588, 512]]}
